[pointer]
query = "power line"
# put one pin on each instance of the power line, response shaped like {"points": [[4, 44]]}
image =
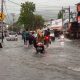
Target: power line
{"points": [[49, 8], [42, 6], [14, 2]]}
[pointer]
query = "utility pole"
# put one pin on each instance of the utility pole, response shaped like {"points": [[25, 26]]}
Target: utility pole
{"points": [[13, 15], [1, 18], [69, 14], [62, 16]]}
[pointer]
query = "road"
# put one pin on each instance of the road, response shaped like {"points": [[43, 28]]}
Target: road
{"points": [[60, 62]]}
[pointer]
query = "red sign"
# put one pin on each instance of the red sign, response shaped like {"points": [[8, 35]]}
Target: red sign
{"points": [[78, 19], [78, 8]]}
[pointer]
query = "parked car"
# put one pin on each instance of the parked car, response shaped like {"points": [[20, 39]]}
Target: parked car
{"points": [[12, 37]]}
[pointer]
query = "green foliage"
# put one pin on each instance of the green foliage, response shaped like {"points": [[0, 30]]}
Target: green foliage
{"points": [[60, 14], [15, 27], [26, 15], [28, 18], [39, 21]]}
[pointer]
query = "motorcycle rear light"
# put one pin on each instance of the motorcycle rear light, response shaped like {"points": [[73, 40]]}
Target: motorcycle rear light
{"points": [[47, 37]]}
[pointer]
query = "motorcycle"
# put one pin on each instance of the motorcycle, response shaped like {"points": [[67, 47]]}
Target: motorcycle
{"points": [[47, 40], [40, 47]]}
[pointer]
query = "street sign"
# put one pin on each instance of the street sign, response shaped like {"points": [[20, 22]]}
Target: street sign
{"points": [[2, 16]]}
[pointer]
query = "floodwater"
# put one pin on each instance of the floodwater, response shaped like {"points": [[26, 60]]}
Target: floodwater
{"points": [[61, 61]]}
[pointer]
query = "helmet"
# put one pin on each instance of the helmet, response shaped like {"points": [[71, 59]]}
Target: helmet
{"points": [[48, 29]]}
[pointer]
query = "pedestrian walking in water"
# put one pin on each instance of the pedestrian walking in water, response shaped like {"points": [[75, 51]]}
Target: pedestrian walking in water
{"points": [[27, 35], [24, 36]]}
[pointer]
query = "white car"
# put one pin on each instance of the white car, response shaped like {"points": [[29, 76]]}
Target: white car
{"points": [[12, 37]]}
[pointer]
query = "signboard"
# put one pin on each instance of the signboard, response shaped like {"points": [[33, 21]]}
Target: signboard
{"points": [[78, 7], [78, 19], [2, 16]]}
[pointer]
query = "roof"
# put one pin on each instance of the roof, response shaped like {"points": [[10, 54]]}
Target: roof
{"points": [[56, 23], [78, 3]]}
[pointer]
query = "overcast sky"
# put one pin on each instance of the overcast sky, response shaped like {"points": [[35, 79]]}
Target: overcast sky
{"points": [[41, 4], [46, 8]]}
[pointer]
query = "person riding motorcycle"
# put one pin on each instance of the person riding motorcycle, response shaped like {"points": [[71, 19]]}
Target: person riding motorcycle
{"points": [[40, 36], [47, 35], [47, 32], [40, 40]]}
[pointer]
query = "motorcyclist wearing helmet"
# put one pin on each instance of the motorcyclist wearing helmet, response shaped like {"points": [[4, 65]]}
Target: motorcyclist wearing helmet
{"points": [[47, 32]]}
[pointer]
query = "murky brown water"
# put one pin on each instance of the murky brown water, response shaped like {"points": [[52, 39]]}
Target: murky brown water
{"points": [[60, 62]]}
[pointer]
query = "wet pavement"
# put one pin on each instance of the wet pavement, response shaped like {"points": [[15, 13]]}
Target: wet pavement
{"points": [[60, 62]]}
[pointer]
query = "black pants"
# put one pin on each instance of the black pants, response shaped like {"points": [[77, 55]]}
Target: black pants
{"points": [[34, 43], [30, 41]]}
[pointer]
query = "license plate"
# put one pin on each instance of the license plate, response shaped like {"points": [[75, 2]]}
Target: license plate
{"points": [[39, 48]]}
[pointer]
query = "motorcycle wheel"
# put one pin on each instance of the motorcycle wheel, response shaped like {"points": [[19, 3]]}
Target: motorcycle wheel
{"points": [[47, 44]]}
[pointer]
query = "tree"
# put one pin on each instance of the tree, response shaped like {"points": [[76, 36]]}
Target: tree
{"points": [[60, 14], [15, 27], [39, 21], [26, 14]]}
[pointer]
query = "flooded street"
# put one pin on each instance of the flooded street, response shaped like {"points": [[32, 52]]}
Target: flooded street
{"points": [[61, 61], [39, 22]]}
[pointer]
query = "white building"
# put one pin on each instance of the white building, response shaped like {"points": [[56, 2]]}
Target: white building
{"points": [[56, 24]]}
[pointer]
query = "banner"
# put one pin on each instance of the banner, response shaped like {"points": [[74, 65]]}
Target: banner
{"points": [[78, 8], [78, 19]]}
